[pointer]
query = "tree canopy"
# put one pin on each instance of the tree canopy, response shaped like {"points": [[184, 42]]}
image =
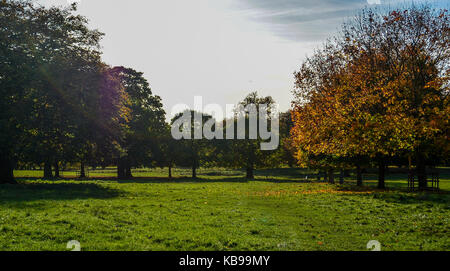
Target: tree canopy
{"points": [[377, 90]]}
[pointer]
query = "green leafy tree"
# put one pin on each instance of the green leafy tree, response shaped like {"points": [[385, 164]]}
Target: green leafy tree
{"points": [[53, 46], [247, 152], [193, 152], [168, 151], [146, 122]]}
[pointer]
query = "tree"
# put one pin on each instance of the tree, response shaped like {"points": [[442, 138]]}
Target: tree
{"points": [[43, 49], [316, 114], [168, 151], [416, 48], [378, 89], [61, 102], [192, 151], [407, 94], [15, 78], [286, 151], [245, 149], [146, 121]]}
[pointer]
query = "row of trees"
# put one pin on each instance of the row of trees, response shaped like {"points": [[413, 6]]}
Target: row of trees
{"points": [[376, 93], [60, 103], [238, 153], [373, 95]]}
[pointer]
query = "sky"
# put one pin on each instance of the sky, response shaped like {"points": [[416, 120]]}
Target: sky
{"points": [[218, 49]]}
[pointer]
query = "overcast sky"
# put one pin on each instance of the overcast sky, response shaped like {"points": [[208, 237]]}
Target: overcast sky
{"points": [[218, 49]]}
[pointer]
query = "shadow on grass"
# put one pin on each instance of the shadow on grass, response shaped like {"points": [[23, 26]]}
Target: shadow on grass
{"points": [[203, 178], [235, 179], [180, 180], [24, 192], [400, 195], [223, 173], [287, 172]]}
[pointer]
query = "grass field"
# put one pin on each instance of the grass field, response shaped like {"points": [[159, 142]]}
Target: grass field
{"points": [[281, 210]]}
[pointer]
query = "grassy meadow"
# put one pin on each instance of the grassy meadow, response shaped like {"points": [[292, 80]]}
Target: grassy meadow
{"points": [[284, 209]]}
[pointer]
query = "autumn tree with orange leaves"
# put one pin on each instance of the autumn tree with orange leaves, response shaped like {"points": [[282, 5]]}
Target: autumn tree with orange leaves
{"points": [[378, 89]]}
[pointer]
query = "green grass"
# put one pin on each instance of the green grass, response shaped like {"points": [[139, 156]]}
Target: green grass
{"points": [[280, 210]]}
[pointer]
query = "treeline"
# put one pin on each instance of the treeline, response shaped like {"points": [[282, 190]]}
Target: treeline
{"points": [[61, 105], [374, 95], [377, 94], [243, 151]]}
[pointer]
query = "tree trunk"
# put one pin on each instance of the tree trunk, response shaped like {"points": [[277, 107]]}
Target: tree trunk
{"points": [[250, 174], [170, 172], [82, 171], [120, 169], [128, 170], [194, 171], [359, 179], [421, 171], [6, 170], [381, 173], [346, 173], [331, 176], [57, 175], [325, 176], [48, 174], [319, 176], [341, 177]]}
